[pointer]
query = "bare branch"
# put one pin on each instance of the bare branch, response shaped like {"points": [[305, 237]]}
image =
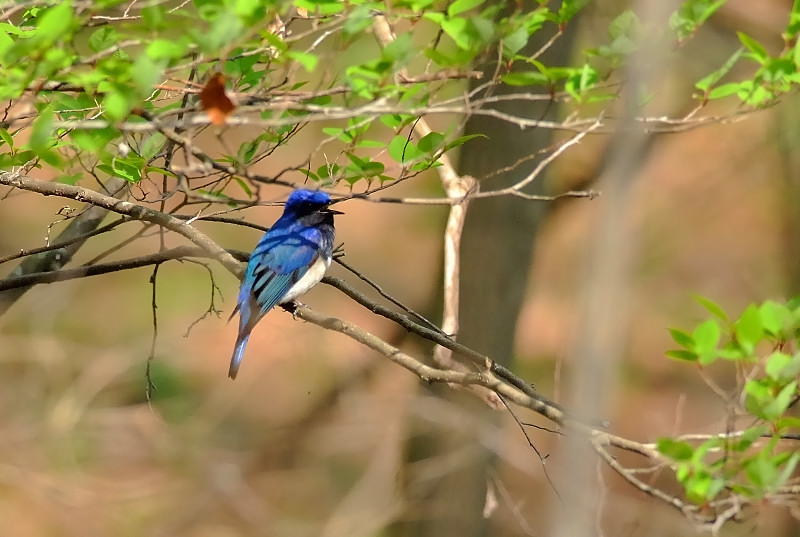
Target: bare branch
{"points": [[126, 208]]}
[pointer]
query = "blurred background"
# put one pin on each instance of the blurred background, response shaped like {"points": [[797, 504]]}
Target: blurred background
{"points": [[319, 436]]}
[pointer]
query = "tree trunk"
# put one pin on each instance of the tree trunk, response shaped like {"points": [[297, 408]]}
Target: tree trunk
{"points": [[497, 248]]}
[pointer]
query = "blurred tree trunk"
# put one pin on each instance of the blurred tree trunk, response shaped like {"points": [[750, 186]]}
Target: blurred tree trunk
{"points": [[788, 141], [77, 230], [497, 248]]}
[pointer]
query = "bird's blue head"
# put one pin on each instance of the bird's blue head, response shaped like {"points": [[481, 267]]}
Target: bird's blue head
{"points": [[308, 201]]}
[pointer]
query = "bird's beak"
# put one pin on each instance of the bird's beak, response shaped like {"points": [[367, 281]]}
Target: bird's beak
{"points": [[334, 211]]}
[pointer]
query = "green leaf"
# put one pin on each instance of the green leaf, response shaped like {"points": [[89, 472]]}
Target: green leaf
{"points": [[484, 28], [712, 307], [782, 367], [748, 329], [761, 471], [54, 23], [701, 486], [70, 179], [166, 49], [402, 150], [93, 140], [244, 186], [393, 121], [525, 78], [145, 74], [42, 139], [706, 338], [623, 24], [761, 402], [691, 15], [329, 170], [321, 7], [308, 61], [682, 338], [153, 16], [710, 80], [334, 132], [274, 41], [371, 144], [724, 90], [222, 31], [250, 10], [782, 401], [103, 38], [364, 167], [469, 35], [6, 41], [681, 354], [116, 106], [460, 6], [160, 171], [453, 58], [129, 168], [758, 52], [431, 142], [706, 447], [399, 50], [581, 81], [570, 8], [677, 450], [787, 471], [757, 396], [461, 140], [515, 41], [748, 438], [152, 145], [358, 20], [459, 31], [6, 137]]}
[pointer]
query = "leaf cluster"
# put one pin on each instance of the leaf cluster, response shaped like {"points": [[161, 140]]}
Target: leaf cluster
{"points": [[762, 344]]}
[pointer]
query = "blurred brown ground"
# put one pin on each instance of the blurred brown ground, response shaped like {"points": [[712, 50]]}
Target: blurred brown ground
{"points": [[82, 453]]}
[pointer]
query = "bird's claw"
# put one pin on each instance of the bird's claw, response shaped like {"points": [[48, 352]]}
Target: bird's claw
{"points": [[293, 306]]}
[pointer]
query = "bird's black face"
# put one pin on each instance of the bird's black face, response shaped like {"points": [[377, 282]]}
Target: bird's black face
{"points": [[309, 207], [314, 204]]}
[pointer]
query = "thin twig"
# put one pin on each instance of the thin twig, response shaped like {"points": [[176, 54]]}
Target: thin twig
{"points": [[150, 387]]}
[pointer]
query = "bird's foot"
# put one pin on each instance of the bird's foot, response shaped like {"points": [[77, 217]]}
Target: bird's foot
{"points": [[292, 307]]}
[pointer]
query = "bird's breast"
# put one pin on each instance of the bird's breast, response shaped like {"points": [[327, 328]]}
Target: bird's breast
{"points": [[312, 276]]}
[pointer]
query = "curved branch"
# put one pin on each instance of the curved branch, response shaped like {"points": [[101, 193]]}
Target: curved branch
{"points": [[139, 212]]}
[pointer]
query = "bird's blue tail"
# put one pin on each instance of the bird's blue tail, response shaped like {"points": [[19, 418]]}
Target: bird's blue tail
{"points": [[238, 354]]}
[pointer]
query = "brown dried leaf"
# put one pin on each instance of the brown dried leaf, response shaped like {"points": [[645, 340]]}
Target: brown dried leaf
{"points": [[215, 101]]}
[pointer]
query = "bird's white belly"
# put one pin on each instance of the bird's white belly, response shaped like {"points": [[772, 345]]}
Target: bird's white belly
{"points": [[310, 279]]}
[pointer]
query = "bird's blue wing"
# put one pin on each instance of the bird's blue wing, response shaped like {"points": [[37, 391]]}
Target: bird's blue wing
{"points": [[277, 263], [279, 260]]}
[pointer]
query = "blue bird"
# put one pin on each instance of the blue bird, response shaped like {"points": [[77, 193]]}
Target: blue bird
{"points": [[290, 259]]}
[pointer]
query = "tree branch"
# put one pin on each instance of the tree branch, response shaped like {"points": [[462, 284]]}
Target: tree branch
{"points": [[94, 270], [139, 212]]}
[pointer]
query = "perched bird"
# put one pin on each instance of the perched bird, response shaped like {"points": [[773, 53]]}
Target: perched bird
{"points": [[290, 259]]}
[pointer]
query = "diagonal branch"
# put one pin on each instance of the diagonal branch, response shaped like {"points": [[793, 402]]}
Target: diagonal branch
{"points": [[127, 208], [69, 241], [104, 268]]}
